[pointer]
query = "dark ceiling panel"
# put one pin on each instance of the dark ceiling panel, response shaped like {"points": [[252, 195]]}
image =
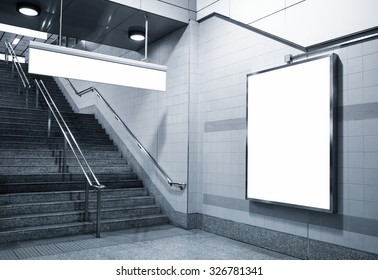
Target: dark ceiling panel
{"points": [[158, 27], [98, 21], [49, 13], [119, 38]]}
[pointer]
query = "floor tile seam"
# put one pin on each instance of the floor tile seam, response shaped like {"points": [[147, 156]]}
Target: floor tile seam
{"points": [[38, 248], [3, 252], [19, 252]]}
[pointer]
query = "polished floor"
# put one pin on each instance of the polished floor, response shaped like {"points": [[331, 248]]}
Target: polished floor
{"points": [[150, 243]]}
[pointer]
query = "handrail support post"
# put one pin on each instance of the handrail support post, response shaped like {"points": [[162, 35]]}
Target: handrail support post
{"points": [[6, 55], [36, 97], [65, 156], [49, 123], [86, 214], [98, 224], [18, 86], [27, 97]]}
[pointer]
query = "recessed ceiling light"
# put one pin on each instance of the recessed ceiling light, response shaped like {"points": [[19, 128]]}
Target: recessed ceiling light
{"points": [[136, 35], [28, 9]]}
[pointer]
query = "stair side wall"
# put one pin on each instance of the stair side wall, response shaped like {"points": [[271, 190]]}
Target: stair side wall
{"points": [[160, 122]]}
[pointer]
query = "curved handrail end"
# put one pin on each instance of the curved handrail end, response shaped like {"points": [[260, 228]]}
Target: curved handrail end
{"points": [[177, 185], [180, 186]]}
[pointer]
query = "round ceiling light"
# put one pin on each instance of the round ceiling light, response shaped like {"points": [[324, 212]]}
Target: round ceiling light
{"points": [[136, 35], [28, 9]]}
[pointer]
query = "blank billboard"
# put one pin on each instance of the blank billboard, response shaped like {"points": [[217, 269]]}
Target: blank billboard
{"points": [[291, 133]]}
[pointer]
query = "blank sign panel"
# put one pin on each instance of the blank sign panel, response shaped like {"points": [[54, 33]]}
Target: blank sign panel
{"points": [[290, 147]]}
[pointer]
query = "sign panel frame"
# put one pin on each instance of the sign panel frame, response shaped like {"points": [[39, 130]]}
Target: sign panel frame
{"points": [[291, 135]]}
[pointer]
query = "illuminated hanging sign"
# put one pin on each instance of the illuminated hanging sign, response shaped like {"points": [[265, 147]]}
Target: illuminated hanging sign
{"points": [[57, 61]]}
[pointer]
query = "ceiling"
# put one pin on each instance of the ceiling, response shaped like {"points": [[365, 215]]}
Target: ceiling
{"points": [[98, 21]]}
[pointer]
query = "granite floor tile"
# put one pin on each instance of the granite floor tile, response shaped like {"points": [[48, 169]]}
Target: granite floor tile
{"points": [[149, 243]]}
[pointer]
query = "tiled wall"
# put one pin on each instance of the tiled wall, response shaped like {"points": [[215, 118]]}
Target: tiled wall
{"points": [[227, 54], [207, 67], [181, 10]]}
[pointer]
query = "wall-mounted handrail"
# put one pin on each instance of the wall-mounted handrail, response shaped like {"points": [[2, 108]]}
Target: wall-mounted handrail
{"points": [[71, 141], [16, 64], [178, 185]]}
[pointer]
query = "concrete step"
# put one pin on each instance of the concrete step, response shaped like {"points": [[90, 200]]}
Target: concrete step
{"points": [[111, 208], [81, 140], [42, 122], [97, 129], [61, 178], [54, 146], [30, 153], [20, 103], [71, 195], [125, 212], [41, 219], [9, 92], [20, 161], [75, 121], [41, 114], [55, 132], [36, 187], [48, 231], [75, 169], [42, 132]]}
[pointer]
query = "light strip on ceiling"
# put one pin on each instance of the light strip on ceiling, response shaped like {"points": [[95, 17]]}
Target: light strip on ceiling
{"points": [[23, 31], [16, 41], [65, 62], [20, 58]]}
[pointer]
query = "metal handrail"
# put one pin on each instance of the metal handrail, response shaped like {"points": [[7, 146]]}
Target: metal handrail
{"points": [[16, 64], [68, 136], [178, 185]]}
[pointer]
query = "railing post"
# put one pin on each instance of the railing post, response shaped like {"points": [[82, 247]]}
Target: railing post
{"points": [[27, 97], [65, 156], [18, 86], [60, 162], [98, 224], [86, 215], [49, 124], [6, 54], [12, 69], [36, 97]]}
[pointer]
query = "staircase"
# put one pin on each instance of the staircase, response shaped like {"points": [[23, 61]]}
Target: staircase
{"points": [[37, 200]]}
